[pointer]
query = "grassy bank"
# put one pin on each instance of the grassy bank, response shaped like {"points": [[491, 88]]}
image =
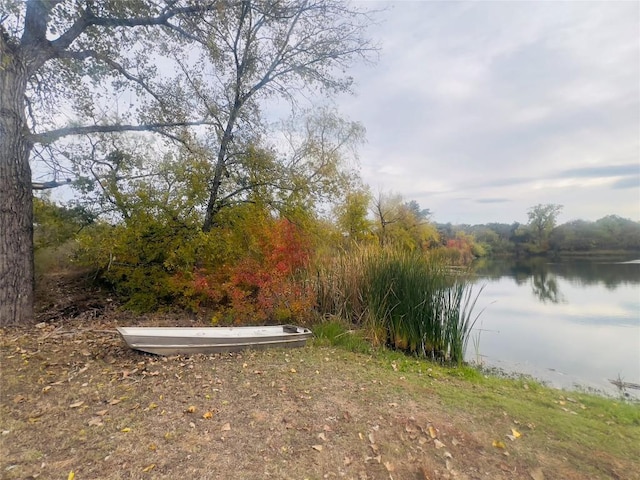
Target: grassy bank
{"points": [[73, 398]]}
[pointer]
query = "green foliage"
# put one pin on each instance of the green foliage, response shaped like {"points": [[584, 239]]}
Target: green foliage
{"points": [[339, 334], [150, 250], [403, 224], [54, 224], [412, 303], [55, 229], [608, 233], [246, 270], [425, 307], [352, 213], [150, 262], [542, 220]]}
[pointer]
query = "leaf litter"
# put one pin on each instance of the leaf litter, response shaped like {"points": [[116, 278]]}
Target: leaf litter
{"points": [[129, 413]]}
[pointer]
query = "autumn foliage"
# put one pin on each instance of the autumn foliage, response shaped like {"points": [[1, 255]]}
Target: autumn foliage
{"points": [[265, 285]]}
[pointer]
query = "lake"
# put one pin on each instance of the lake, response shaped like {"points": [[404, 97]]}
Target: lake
{"points": [[572, 323]]}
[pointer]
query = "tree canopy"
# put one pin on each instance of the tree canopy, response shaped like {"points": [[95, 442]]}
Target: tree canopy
{"points": [[75, 74]]}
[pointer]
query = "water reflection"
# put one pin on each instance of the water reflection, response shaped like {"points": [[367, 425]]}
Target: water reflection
{"points": [[545, 287], [609, 273], [577, 319]]}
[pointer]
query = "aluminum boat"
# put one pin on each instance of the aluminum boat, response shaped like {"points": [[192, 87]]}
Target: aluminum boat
{"points": [[191, 340]]}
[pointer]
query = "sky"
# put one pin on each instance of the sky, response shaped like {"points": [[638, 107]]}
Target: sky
{"points": [[478, 111]]}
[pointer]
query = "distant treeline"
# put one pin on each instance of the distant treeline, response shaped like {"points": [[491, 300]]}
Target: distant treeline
{"points": [[611, 233]]}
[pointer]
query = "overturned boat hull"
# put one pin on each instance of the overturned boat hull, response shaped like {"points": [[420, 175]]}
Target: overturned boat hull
{"points": [[192, 340]]}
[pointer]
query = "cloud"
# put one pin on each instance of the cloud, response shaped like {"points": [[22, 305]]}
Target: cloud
{"points": [[603, 171], [628, 182], [493, 200], [528, 101]]}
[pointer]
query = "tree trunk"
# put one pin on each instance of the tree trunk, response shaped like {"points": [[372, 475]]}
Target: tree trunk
{"points": [[16, 200], [212, 205]]}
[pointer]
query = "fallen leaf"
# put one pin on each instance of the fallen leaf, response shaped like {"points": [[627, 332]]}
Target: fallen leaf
{"points": [[498, 444], [455, 442], [46, 389], [317, 447], [71, 475], [102, 413], [432, 432], [126, 430], [207, 415], [149, 468], [389, 466], [425, 474], [226, 427], [371, 438], [115, 401], [293, 370], [95, 422], [438, 443], [152, 405], [153, 447], [536, 474], [347, 461], [322, 437], [77, 404]]}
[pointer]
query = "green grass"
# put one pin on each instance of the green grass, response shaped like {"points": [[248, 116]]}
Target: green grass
{"points": [[337, 334], [567, 422]]}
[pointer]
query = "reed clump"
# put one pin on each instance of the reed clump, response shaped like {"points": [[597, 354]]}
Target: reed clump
{"points": [[406, 300]]}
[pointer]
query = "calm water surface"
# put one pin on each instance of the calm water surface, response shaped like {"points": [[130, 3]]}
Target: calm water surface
{"points": [[570, 323]]}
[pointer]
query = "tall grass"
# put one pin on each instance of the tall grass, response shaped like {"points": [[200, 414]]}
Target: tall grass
{"points": [[339, 285], [407, 300]]}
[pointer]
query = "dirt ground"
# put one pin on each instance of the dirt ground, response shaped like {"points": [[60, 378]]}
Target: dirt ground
{"points": [[76, 403]]}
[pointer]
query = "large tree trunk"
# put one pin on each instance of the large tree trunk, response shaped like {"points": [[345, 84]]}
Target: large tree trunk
{"points": [[16, 201]]}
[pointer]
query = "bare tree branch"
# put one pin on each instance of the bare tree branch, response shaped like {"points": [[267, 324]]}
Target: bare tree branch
{"points": [[53, 135], [49, 185], [83, 55]]}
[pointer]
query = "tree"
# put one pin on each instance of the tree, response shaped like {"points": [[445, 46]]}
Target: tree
{"points": [[403, 224], [77, 60], [54, 224], [54, 57], [264, 49], [542, 220], [351, 214]]}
